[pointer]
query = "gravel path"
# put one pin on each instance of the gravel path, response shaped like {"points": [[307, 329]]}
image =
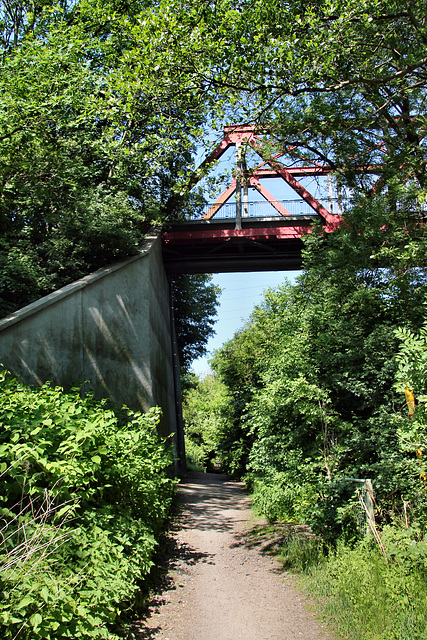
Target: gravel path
{"points": [[218, 588]]}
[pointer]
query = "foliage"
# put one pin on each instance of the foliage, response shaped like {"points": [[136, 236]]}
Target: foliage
{"points": [[84, 494], [277, 499], [343, 84], [205, 409], [369, 596], [312, 377], [412, 364], [194, 302], [412, 429]]}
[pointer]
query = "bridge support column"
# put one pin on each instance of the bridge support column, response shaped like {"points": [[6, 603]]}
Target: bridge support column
{"points": [[180, 441], [238, 185]]}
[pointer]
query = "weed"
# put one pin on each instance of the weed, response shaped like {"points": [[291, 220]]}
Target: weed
{"points": [[301, 552], [369, 596]]}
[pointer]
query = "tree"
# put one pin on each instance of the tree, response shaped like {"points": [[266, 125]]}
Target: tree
{"points": [[312, 384], [92, 147], [205, 413], [194, 301]]}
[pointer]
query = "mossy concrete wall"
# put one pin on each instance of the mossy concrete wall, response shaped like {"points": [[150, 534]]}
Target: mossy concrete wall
{"points": [[111, 330]]}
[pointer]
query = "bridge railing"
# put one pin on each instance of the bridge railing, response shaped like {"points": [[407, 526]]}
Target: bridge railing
{"points": [[264, 209]]}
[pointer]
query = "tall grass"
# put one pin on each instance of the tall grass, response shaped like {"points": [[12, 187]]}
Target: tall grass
{"points": [[372, 597]]}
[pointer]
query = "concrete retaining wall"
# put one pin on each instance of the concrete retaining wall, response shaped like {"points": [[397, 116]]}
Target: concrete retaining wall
{"points": [[111, 329]]}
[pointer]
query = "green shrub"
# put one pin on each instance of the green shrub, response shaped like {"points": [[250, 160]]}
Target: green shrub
{"points": [[196, 455], [278, 499], [84, 493]]}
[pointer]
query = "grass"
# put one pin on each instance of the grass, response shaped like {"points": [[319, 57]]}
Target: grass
{"points": [[364, 595], [294, 544], [368, 597]]}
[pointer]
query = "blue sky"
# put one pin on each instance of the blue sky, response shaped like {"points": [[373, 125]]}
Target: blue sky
{"points": [[241, 292]]}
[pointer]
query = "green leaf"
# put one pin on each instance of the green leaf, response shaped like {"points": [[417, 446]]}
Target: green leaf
{"points": [[45, 594], [36, 621], [25, 602]]}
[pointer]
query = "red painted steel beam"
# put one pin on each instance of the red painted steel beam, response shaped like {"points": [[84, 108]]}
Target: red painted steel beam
{"points": [[232, 134], [308, 171], [241, 132], [294, 171], [254, 182], [245, 133], [221, 148], [332, 221], [209, 234], [220, 201]]}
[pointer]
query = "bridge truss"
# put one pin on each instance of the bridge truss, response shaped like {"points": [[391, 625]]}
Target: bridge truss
{"points": [[240, 236]]}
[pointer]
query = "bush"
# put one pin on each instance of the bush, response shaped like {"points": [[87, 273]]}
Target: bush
{"points": [[85, 491], [196, 455], [279, 500]]}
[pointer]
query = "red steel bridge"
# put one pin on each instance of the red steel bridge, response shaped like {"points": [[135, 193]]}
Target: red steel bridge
{"points": [[240, 235]]}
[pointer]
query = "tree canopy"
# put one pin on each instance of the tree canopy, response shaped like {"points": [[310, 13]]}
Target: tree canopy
{"points": [[194, 301], [103, 104], [343, 84], [92, 146]]}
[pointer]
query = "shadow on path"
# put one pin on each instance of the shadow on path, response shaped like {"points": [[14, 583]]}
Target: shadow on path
{"points": [[207, 497], [200, 502]]}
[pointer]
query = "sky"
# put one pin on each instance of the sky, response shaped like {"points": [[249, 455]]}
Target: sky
{"points": [[240, 293]]}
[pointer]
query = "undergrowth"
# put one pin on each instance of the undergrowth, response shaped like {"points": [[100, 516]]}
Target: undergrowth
{"points": [[371, 589], [85, 492], [367, 593], [371, 595], [277, 499]]}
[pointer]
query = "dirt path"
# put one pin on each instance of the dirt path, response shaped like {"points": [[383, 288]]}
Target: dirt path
{"points": [[218, 588]]}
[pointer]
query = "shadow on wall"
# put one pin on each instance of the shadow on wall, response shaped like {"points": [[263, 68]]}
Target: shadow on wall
{"points": [[110, 330]]}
